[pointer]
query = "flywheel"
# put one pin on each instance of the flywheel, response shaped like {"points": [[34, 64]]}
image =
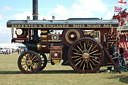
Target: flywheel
{"points": [[70, 35]]}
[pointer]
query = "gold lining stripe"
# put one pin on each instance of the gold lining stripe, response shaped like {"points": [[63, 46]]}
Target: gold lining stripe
{"points": [[44, 40], [44, 31], [43, 36], [35, 14], [54, 40]]}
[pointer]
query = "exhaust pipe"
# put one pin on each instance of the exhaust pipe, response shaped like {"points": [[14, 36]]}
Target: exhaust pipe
{"points": [[35, 17]]}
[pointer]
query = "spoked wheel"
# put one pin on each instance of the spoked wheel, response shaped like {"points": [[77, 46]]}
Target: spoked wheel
{"points": [[29, 62], [43, 61], [86, 55]]}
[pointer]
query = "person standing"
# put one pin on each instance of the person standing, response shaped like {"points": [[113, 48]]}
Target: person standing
{"points": [[126, 54], [122, 57], [126, 58], [18, 50]]}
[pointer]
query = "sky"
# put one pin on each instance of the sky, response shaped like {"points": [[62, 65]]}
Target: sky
{"points": [[61, 9]]}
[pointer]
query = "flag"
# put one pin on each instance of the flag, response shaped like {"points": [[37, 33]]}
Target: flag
{"points": [[122, 2], [117, 9]]}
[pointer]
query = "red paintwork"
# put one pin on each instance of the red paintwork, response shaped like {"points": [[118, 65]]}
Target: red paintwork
{"points": [[121, 16], [25, 39]]}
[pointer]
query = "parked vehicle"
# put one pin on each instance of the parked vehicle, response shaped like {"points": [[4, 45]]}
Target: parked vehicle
{"points": [[84, 43]]}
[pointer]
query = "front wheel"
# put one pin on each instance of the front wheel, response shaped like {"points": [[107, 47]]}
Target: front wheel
{"points": [[29, 62], [86, 55]]}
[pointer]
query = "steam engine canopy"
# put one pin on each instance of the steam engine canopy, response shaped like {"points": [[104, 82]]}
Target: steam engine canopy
{"points": [[85, 23]]}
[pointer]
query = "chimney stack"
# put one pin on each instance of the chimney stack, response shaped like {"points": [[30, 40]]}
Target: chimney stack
{"points": [[35, 9], [35, 17]]}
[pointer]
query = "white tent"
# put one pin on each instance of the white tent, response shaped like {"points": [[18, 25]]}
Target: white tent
{"points": [[9, 45]]}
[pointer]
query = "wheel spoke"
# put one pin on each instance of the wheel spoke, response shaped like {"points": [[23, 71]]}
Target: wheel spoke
{"points": [[81, 45], [84, 46], [79, 48], [92, 62], [29, 57], [26, 56], [84, 67], [93, 47], [87, 65], [91, 65], [93, 52], [23, 64], [87, 44], [23, 60], [81, 62], [78, 63], [32, 68], [95, 60], [90, 47], [78, 59], [94, 57], [36, 63], [75, 56], [33, 58], [97, 54], [27, 68], [76, 50]]}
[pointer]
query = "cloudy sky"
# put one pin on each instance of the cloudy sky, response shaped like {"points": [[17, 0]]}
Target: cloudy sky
{"points": [[61, 9]]}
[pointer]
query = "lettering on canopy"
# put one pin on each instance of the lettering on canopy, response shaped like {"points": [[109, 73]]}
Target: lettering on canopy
{"points": [[65, 26]]}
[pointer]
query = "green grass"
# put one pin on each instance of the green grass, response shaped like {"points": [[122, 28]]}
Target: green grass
{"points": [[55, 75]]}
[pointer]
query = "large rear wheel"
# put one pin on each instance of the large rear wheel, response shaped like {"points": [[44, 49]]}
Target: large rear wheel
{"points": [[86, 55]]}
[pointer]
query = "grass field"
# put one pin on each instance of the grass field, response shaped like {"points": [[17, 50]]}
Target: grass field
{"points": [[55, 75]]}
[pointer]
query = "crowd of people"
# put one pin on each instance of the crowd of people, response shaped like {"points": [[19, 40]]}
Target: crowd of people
{"points": [[8, 51], [21, 50]]}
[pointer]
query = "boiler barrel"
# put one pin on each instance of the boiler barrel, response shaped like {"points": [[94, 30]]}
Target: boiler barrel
{"points": [[31, 46], [38, 47]]}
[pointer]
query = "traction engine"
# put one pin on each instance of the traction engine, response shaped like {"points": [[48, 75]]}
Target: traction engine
{"points": [[82, 43]]}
